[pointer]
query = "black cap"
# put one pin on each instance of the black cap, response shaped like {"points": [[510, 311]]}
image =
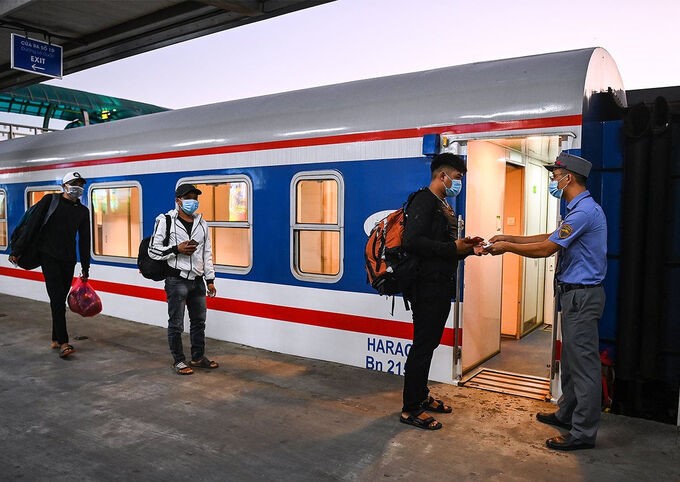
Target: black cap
{"points": [[184, 189], [571, 163]]}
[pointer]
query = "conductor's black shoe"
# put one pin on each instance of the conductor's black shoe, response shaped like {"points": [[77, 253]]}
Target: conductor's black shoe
{"points": [[567, 442], [551, 419]]}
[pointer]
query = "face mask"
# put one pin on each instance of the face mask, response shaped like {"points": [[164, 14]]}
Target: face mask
{"points": [[74, 192], [189, 206], [456, 186], [553, 190]]}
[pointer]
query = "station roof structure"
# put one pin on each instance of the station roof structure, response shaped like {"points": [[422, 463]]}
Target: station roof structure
{"points": [[94, 32], [52, 102]]}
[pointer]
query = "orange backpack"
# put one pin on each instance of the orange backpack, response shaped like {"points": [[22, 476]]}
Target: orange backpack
{"points": [[390, 269]]}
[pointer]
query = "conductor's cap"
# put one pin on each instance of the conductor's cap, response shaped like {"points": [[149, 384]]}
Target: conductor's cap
{"points": [[572, 163]]}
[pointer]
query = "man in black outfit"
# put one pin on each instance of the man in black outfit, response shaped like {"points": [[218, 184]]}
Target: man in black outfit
{"points": [[430, 232], [57, 251]]}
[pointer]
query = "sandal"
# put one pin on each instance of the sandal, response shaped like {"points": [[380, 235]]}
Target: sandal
{"points": [[435, 405], [203, 362], [54, 345], [414, 419], [66, 350], [182, 368]]}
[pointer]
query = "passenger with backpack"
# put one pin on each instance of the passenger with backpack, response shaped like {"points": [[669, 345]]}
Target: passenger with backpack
{"points": [[187, 250], [430, 234], [48, 239]]}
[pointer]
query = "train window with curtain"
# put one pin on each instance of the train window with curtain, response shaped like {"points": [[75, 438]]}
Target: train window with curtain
{"points": [[116, 219], [33, 195], [226, 206], [317, 226], [3, 218]]}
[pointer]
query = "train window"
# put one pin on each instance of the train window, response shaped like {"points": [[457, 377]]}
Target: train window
{"points": [[226, 205], [33, 195], [3, 218], [116, 219], [317, 213]]}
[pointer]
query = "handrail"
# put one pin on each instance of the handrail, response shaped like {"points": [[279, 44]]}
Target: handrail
{"points": [[13, 131]]}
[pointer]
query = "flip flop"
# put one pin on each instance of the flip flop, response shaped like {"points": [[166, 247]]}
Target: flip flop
{"points": [[428, 423]]}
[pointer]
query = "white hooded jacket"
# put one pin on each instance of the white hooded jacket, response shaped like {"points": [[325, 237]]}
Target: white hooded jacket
{"points": [[200, 262]]}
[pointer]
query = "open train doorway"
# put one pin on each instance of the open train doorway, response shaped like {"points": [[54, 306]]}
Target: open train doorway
{"points": [[508, 300]]}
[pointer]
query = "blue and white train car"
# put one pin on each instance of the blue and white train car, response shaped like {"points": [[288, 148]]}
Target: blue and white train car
{"points": [[293, 182]]}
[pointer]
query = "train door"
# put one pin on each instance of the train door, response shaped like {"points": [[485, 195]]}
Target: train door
{"points": [[507, 344], [483, 276]]}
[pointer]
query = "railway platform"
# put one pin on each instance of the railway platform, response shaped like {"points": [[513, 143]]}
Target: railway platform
{"points": [[116, 410]]}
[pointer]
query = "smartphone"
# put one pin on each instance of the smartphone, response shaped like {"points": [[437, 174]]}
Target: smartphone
{"points": [[192, 242]]}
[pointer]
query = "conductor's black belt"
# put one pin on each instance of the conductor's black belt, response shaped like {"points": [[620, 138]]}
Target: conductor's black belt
{"points": [[566, 287]]}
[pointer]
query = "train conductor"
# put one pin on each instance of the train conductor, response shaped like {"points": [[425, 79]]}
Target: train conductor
{"points": [[581, 239]]}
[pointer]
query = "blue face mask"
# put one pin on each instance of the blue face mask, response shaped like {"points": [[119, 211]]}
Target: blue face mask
{"points": [[456, 186], [553, 190], [189, 206]]}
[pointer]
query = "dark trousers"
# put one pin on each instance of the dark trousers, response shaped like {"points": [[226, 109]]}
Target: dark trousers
{"points": [[190, 295], [430, 304], [58, 277]]}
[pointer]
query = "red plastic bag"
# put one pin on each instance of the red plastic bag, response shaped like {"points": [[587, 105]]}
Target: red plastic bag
{"points": [[84, 300]]}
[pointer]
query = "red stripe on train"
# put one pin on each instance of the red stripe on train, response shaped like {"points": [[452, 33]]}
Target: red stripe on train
{"points": [[303, 316], [561, 121]]}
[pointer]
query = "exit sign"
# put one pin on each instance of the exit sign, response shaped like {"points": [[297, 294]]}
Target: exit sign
{"points": [[37, 57]]}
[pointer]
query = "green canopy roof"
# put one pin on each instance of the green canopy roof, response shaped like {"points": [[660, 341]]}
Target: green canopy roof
{"points": [[67, 104]]}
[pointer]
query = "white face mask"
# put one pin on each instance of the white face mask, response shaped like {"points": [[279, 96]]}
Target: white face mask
{"points": [[74, 192]]}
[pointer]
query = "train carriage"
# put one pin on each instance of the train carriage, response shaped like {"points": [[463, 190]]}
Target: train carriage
{"points": [[293, 182]]}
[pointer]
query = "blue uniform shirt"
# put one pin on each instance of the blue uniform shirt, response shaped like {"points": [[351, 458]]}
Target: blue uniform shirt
{"points": [[583, 238]]}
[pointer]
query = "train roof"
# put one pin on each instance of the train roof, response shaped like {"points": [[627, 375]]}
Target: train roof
{"points": [[524, 88]]}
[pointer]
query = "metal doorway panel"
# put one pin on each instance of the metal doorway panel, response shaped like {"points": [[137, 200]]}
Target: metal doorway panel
{"points": [[511, 383]]}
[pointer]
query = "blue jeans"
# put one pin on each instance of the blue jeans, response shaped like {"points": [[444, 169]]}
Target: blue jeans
{"points": [[187, 293]]}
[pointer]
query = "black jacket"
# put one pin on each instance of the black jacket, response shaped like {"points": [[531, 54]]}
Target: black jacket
{"points": [[57, 238], [430, 233]]}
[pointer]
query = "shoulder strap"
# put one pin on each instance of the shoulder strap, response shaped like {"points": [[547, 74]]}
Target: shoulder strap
{"points": [[412, 196], [53, 207], [167, 230]]}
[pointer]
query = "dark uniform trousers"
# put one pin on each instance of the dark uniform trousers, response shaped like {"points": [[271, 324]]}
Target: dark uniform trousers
{"points": [[431, 304], [580, 402], [58, 277]]}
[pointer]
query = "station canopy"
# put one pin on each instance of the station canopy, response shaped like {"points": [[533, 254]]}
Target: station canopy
{"points": [[95, 32], [50, 102]]}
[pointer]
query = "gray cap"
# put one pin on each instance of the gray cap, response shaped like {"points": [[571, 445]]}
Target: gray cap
{"points": [[571, 163]]}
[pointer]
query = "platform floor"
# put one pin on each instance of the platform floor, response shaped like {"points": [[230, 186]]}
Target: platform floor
{"points": [[116, 411]]}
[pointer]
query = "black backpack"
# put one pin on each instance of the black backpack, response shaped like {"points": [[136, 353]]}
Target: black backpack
{"points": [[27, 239], [154, 269]]}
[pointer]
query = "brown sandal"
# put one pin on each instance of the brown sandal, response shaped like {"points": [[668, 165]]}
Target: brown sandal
{"points": [[204, 362], [66, 350]]}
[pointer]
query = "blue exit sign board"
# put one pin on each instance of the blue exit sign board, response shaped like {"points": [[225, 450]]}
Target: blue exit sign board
{"points": [[37, 57]]}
